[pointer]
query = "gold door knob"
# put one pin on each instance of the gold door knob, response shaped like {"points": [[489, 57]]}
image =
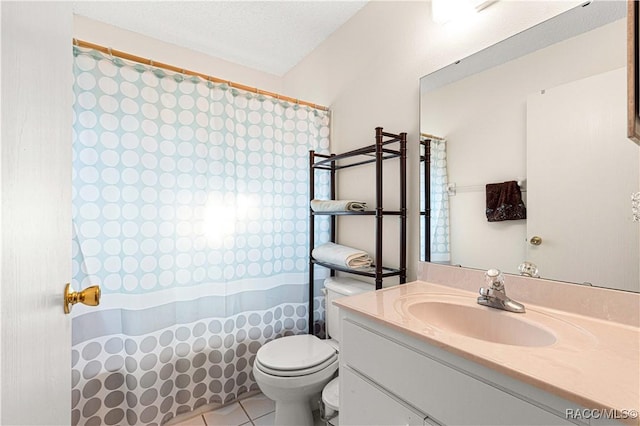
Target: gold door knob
{"points": [[535, 240], [89, 296]]}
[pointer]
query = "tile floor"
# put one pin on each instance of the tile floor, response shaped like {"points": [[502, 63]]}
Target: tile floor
{"points": [[257, 410]]}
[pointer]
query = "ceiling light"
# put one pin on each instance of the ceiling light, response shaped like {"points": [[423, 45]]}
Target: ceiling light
{"points": [[443, 11]]}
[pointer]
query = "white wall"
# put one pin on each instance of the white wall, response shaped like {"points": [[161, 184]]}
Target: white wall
{"points": [[131, 42], [368, 72]]}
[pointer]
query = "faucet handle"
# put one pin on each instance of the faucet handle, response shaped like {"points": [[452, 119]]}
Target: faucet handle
{"points": [[528, 269], [493, 273], [494, 279]]}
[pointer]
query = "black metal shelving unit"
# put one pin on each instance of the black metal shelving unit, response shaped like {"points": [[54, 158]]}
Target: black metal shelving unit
{"points": [[378, 153]]}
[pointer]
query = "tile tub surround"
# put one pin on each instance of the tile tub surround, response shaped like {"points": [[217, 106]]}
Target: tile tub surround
{"points": [[602, 373], [596, 302]]}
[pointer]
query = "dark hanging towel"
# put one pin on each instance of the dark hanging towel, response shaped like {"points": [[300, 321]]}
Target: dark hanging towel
{"points": [[504, 202]]}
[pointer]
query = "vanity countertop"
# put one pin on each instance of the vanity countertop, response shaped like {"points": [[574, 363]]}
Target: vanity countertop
{"points": [[598, 368]]}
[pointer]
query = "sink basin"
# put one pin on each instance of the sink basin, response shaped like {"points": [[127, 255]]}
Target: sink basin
{"points": [[481, 323]]}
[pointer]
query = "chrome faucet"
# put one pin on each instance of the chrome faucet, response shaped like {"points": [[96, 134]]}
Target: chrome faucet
{"points": [[496, 296]]}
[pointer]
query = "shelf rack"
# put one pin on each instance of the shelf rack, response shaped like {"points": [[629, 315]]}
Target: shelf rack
{"points": [[372, 154]]}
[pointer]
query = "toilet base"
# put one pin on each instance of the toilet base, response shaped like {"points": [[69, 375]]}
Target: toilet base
{"points": [[295, 397]]}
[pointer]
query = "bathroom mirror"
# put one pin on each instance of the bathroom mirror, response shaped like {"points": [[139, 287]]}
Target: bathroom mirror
{"points": [[545, 108]]}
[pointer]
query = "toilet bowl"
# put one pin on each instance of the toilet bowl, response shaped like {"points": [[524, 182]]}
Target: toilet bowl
{"points": [[294, 370], [291, 372]]}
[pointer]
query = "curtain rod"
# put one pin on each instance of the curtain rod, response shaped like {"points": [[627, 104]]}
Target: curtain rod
{"points": [[145, 61], [428, 136]]}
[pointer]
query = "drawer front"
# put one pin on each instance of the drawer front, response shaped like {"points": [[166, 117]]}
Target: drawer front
{"points": [[364, 403], [450, 396]]}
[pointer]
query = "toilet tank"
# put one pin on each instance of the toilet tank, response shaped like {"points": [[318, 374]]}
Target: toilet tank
{"points": [[336, 288]]}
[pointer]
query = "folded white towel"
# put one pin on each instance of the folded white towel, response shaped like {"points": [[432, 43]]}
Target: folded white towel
{"points": [[349, 286], [338, 205], [342, 255]]}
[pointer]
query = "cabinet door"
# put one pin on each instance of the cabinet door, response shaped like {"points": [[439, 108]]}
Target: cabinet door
{"points": [[364, 403]]}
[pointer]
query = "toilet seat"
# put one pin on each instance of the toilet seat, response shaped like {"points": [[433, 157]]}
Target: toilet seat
{"points": [[295, 373], [295, 356]]}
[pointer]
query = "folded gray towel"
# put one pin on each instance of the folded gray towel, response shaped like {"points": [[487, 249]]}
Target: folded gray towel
{"points": [[338, 205]]}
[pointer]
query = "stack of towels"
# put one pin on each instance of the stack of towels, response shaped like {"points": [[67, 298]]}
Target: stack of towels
{"points": [[342, 255], [338, 206]]}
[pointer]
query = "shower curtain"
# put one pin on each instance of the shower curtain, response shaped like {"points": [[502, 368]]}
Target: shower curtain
{"points": [[440, 251], [190, 210]]}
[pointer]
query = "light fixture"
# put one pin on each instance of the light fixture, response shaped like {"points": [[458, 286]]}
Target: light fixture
{"points": [[443, 11]]}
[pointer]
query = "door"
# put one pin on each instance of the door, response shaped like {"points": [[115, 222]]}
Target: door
{"points": [[580, 126], [35, 354]]}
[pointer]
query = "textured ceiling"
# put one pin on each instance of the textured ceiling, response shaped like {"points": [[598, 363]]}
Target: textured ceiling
{"points": [[270, 36]]}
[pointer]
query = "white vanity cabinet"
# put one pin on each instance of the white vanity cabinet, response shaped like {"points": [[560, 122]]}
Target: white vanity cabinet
{"points": [[389, 377], [373, 405]]}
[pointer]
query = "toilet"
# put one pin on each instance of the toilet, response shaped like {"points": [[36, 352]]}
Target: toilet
{"points": [[294, 370]]}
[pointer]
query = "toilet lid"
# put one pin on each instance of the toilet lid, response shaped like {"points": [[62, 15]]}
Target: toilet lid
{"points": [[331, 395], [294, 353], [328, 364]]}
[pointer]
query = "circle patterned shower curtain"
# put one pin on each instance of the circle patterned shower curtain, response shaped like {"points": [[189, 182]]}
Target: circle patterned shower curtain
{"points": [[190, 209]]}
